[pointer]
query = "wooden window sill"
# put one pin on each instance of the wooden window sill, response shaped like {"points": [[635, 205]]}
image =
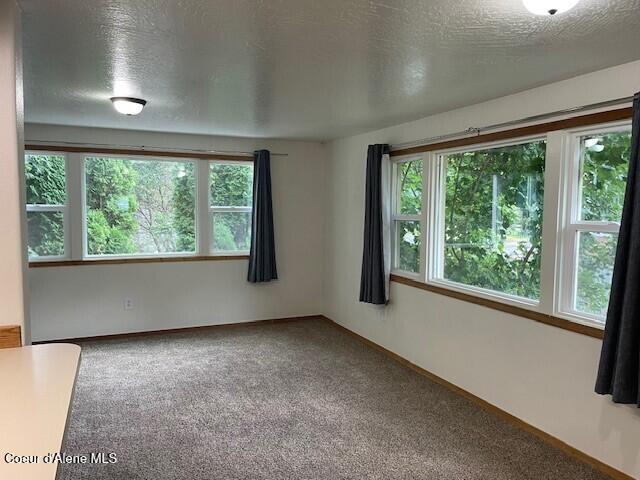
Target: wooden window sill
{"points": [[504, 307], [120, 261]]}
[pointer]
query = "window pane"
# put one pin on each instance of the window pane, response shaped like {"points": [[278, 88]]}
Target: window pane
{"points": [[409, 177], [139, 206], [231, 231], [45, 179], [596, 255], [231, 185], [493, 218], [45, 235], [604, 165], [408, 245]]}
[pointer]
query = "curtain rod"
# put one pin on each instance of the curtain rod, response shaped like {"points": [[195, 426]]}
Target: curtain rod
{"points": [[496, 126], [144, 148]]}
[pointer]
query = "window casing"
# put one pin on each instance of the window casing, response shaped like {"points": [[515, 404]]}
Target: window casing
{"points": [[46, 205], [407, 205], [562, 245], [596, 169], [488, 219], [230, 206], [138, 207]]}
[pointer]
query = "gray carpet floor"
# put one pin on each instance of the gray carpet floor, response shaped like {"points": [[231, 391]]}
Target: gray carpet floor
{"points": [[300, 400]]}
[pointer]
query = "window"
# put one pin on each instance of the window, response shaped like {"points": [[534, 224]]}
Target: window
{"points": [[230, 203], [46, 196], [90, 206], [139, 207], [597, 186], [406, 218], [471, 220], [491, 218]]}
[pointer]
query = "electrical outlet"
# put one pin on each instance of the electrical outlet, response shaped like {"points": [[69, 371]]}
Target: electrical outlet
{"points": [[128, 304]]}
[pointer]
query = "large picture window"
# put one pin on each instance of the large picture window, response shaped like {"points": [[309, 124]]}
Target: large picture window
{"points": [[139, 207], [597, 183], [46, 197], [230, 204], [407, 215], [491, 218]]}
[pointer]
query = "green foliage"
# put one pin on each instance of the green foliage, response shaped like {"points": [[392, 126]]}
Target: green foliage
{"points": [[139, 206], [410, 187], [604, 175], [595, 267], [45, 180], [184, 211], [232, 231], [493, 218], [231, 185], [409, 195], [45, 234], [111, 204], [409, 245]]}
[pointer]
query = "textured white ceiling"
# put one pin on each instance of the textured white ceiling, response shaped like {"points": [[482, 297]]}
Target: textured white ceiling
{"points": [[313, 69]]}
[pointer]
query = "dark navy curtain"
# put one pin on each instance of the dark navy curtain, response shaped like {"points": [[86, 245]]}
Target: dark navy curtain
{"points": [[619, 371], [262, 257], [373, 278]]}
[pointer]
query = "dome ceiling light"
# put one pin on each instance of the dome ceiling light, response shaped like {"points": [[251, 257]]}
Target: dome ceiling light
{"points": [[549, 7], [128, 105]]}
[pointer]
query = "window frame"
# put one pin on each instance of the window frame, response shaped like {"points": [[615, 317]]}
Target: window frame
{"points": [[64, 209], [560, 227], [435, 273], [396, 217], [85, 256], [211, 209], [572, 225]]}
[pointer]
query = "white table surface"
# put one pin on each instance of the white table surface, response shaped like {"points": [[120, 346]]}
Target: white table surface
{"points": [[36, 387]]}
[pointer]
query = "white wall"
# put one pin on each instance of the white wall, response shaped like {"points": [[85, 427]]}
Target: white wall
{"points": [[88, 300], [13, 309], [539, 373]]}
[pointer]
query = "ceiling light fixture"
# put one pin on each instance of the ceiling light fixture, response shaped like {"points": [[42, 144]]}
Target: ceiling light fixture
{"points": [[549, 7], [128, 105]]}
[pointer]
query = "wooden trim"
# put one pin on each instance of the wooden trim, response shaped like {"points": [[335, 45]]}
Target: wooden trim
{"points": [[546, 437], [504, 307], [530, 130], [141, 152], [123, 336], [10, 336], [120, 261]]}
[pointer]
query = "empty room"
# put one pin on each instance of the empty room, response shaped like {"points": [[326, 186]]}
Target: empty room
{"points": [[302, 239]]}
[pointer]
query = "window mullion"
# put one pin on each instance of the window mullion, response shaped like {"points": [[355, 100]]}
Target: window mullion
{"points": [[601, 227], [46, 208], [425, 217], [214, 209], [407, 218], [552, 218], [203, 220], [75, 201]]}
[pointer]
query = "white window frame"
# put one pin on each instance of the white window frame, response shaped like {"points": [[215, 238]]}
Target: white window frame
{"points": [[420, 217], [211, 209], [64, 209], [571, 225], [435, 272], [83, 202]]}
